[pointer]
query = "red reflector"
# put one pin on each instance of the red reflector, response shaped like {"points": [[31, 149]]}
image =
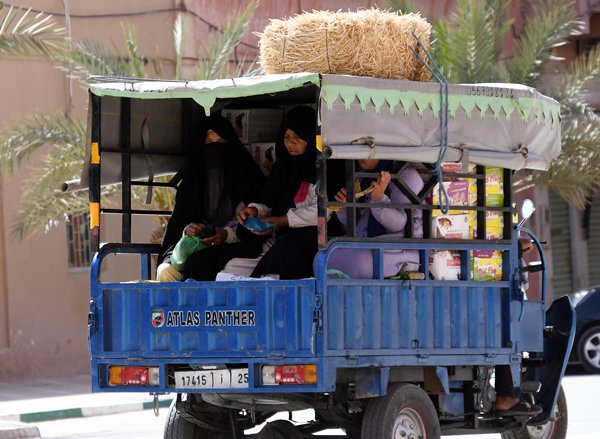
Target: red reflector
{"points": [[289, 374], [134, 375]]}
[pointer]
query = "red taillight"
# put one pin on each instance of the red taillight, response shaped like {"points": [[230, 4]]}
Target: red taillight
{"points": [[290, 374], [133, 376]]}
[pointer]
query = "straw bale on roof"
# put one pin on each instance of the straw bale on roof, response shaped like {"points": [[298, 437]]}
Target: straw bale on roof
{"points": [[369, 42]]}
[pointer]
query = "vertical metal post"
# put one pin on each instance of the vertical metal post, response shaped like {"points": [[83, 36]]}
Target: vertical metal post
{"points": [[125, 140], [94, 173], [481, 202], [321, 164], [146, 266], [351, 212]]}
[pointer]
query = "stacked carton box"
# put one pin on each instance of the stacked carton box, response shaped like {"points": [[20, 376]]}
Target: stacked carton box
{"points": [[264, 155], [255, 124], [455, 223], [445, 265], [462, 224], [257, 129]]}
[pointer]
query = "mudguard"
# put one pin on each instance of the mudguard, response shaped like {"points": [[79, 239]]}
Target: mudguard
{"points": [[558, 341]]}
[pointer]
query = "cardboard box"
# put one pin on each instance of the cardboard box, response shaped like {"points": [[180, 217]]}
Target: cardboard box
{"points": [[444, 265], [458, 195], [255, 124], [452, 226], [486, 265], [264, 155]]}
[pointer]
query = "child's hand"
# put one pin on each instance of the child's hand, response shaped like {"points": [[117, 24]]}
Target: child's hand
{"points": [[380, 186], [340, 197]]}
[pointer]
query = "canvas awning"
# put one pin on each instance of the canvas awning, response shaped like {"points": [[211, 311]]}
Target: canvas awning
{"points": [[506, 125]]}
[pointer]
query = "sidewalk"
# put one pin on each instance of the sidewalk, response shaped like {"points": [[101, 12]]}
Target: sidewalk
{"points": [[46, 399]]}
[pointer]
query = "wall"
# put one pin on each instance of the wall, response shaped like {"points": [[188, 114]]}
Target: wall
{"points": [[44, 306]]}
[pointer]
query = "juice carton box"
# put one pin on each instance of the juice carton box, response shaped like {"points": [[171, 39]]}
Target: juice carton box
{"points": [[451, 226], [486, 265], [444, 265]]}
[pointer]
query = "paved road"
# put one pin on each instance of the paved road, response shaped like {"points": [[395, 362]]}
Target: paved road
{"points": [[583, 393]]}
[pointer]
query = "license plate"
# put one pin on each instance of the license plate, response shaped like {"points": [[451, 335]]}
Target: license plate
{"points": [[212, 379]]}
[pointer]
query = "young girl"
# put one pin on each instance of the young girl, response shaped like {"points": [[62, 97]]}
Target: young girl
{"points": [[380, 222]]}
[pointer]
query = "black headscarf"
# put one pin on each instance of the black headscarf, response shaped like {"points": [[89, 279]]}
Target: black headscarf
{"points": [[290, 171], [216, 178]]}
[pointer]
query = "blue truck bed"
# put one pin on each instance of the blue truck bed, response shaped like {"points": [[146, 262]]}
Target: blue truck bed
{"points": [[335, 323]]}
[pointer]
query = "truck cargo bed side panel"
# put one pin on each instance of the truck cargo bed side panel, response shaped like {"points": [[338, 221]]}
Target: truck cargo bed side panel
{"points": [[195, 319], [371, 317]]}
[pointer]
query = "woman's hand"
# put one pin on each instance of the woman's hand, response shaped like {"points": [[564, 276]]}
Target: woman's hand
{"points": [[218, 238], [246, 212], [193, 229], [380, 186]]}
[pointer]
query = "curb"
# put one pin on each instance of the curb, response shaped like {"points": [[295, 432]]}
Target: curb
{"points": [[86, 412], [17, 426], [17, 430]]}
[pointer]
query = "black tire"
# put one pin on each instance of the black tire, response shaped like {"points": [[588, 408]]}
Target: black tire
{"points": [[370, 417], [588, 349], [280, 429], [177, 427], [406, 409], [550, 430]]}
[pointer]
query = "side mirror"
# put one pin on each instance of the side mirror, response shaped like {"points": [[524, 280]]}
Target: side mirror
{"points": [[527, 209]]}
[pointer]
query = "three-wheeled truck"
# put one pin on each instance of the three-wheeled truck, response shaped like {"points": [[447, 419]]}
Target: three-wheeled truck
{"points": [[407, 356]]}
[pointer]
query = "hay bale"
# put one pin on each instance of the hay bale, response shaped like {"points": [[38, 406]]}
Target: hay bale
{"points": [[364, 43]]}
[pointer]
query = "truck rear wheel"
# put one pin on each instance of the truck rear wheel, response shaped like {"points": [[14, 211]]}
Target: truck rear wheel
{"points": [[280, 429], [556, 429], [177, 427], [405, 411]]}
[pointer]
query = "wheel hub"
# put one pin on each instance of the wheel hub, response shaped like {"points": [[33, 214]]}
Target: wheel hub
{"points": [[408, 425], [591, 350], [544, 431]]}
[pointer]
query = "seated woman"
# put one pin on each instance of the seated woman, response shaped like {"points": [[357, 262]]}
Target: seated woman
{"points": [[380, 222], [288, 201], [220, 177]]}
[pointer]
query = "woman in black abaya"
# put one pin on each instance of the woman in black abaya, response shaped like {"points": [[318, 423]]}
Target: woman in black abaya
{"points": [[219, 176], [289, 200]]}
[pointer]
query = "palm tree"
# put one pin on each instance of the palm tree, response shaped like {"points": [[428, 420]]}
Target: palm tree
{"points": [[469, 49], [43, 204], [22, 33]]}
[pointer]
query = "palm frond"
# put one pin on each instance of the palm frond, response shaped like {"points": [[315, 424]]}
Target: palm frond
{"points": [[17, 143], [243, 67], [553, 21], [43, 208], [580, 152], [470, 43], [23, 33], [134, 62], [85, 58], [404, 6], [214, 59], [570, 87], [178, 42], [82, 59], [41, 213]]}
